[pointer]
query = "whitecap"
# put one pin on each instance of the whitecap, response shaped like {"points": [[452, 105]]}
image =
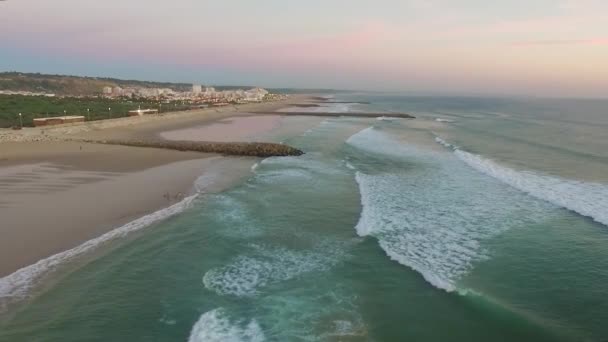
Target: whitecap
{"points": [[585, 198], [216, 326], [443, 142], [434, 218], [443, 120]]}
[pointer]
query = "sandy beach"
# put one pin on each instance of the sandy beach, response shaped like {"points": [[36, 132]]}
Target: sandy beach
{"points": [[58, 194]]}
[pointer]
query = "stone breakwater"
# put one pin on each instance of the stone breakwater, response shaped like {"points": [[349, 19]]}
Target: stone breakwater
{"points": [[253, 149], [341, 114], [9, 137]]}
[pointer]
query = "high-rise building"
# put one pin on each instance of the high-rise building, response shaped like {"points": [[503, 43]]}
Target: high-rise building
{"points": [[117, 91], [197, 88]]}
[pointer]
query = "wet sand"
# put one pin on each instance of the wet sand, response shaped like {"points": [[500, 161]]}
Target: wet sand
{"points": [[55, 202], [56, 195], [233, 129]]}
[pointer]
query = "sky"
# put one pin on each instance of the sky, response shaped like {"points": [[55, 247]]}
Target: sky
{"points": [[556, 48]]}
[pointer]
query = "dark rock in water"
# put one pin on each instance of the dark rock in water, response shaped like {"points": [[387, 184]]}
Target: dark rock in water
{"points": [[306, 105], [254, 149], [351, 102], [342, 114]]}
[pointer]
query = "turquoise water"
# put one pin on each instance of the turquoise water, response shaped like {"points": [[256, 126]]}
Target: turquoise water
{"points": [[488, 225]]}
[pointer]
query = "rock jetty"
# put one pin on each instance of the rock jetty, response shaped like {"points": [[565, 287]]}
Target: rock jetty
{"points": [[254, 149]]}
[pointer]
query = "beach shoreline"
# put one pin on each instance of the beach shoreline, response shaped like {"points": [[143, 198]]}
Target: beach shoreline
{"points": [[59, 194]]}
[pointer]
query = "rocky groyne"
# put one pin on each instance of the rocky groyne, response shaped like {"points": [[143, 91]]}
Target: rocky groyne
{"points": [[253, 149], [341, 114]]}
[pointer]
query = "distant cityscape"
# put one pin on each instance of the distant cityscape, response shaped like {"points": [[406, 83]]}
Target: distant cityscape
{"points": [[38, 99], [198, 94]]}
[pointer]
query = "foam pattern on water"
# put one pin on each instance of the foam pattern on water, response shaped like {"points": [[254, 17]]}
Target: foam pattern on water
{"points": [[216, 326], [435, 218], [246, 275], [236, 218]]}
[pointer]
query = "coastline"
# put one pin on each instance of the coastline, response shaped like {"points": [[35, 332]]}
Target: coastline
{"points": [[143, 126], [64, 193]]}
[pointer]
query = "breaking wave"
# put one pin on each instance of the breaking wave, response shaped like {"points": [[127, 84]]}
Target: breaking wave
{"points": [[435, 217], [216, 326], [18, 284], [585, 198]]}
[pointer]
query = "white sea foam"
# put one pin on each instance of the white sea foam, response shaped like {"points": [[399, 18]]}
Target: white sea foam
{"points": [[585, 198], [374, 140], [443, 120], [18, 284], [440, 252], [443, 142], [216, 326], [246, 275], [167, 321], [435, 217]]}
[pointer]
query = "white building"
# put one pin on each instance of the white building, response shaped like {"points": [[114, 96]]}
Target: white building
{"points": [[255, 94], [117, 91], [197, 89]]}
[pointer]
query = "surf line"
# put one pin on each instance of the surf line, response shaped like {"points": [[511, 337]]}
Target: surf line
{"points": [[17, 285], [584, 198]]}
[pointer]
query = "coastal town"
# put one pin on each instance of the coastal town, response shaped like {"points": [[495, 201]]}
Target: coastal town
{"points": [[41, 100], [197, 95]]}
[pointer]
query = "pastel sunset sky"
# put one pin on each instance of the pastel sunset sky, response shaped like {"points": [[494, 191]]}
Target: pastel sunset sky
{"points": [[516, 47]]}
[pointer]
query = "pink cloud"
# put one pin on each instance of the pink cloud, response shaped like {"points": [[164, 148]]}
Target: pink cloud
{"points": [[318, 53]]}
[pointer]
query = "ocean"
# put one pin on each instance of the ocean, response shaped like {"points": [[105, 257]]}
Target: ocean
{"points": [[481, 220]]}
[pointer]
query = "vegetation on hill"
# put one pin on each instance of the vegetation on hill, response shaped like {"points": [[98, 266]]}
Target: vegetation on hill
{"points": [[82, 86], [87, 86], [41, 106], [74, 85]]}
